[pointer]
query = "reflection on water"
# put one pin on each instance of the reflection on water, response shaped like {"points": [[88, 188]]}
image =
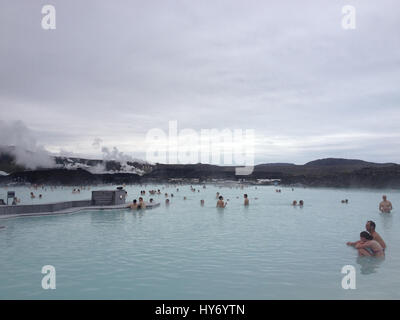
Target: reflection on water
{"points": [[386, 220], [369, 265], [107, 216]]}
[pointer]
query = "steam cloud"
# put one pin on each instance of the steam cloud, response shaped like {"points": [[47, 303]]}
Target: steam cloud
{"points": [[115, 155], [18, 140]]}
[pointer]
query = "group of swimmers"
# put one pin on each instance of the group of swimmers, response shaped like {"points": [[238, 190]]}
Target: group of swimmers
{"points": [[152, 192], [300, 204], [194, 189], [222, 204], [135, 205], [371, 243], [33, 196]]}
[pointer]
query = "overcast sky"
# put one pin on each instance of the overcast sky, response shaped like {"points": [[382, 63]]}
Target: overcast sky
{"points": [[112, 70]]}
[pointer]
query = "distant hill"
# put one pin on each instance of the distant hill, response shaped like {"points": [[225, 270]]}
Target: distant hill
{"points": [[277, 164], [329, 172], [345, 162]]}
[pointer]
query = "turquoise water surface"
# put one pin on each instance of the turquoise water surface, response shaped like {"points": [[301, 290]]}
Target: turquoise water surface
{"points": [[269, 250]]}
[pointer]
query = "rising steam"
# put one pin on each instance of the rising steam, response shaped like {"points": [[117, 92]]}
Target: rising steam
{"points": [[18, 140]]}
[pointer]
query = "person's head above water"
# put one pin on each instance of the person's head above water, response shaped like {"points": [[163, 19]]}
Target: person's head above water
{"points": [[384, 197], [245, 195], [370, 226], [134, 201], [221, 198], [365, 236]]}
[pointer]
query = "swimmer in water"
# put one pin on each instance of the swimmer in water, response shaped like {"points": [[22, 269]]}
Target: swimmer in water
{"points": [[166, 202], [134, 205], [221, 203], [370, 227], [385, 206], [142, 204], [294, 203], [367, 246], [202, 203], [301, 203], [246, 200]]}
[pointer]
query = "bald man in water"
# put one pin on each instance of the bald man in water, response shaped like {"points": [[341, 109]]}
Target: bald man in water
{"points": [[385, 206]]}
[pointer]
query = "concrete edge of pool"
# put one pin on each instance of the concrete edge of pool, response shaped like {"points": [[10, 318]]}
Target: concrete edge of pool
{"points": [[101, 200], [75, 210]]}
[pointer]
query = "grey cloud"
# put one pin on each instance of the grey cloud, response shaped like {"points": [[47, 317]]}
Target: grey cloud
{"points": [[115, 69]]}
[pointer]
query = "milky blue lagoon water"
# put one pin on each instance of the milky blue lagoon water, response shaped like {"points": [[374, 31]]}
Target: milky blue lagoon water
{"points": [[270, 250]]}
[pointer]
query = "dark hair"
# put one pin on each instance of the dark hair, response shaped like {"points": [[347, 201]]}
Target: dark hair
{"points": [[220, 198], [134, 201], [372, 224], [245, 195], [366, 235]]}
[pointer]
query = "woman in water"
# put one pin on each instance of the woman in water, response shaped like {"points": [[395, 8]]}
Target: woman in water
{"points": [[367, 246]]}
